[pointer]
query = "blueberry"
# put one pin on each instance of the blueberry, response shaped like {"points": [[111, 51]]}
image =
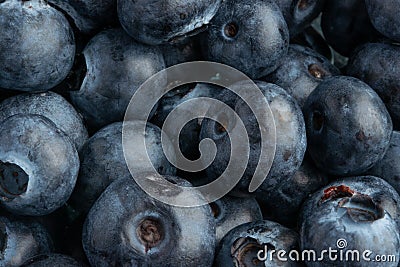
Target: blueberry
{"points": [[103, 161], [283, 203], [251, 36], [38, 165], [230, 212], [378, 65], [37, 46], [242, 245], [346, 25], [21, 239], [301, 71], [388, 168], [384, 16], [290, 137], [362, 210], [45, 260], [299, 13], [51, 106], [348, 126], [162, 21], [89, 15], [126, 227], [116, 67]]}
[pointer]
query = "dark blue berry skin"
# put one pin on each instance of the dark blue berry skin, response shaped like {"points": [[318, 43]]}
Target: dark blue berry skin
{"points": [[362, 210], [126, 227], [282, 204], [187, 51], [290, 137], [103, 161], [21, 239], [348, 126], [378, 65], [384, 15], [116, 67], [65, 228], [251, 36], [301, 71], [299, 13], [313, 39], [51, 106], [39, 165], [39, 55], [388, 168], [241, 245], [230, 212], [346, 25], [89, 15], [159, 21], [52, 259], [189, 136]]}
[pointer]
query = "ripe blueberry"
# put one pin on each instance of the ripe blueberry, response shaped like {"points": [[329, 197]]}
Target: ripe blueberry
{"points": [[37, 46], [362, 210], [251, 36], [290, 136], [348, 126], [38, 165], [378, 65], [161, 21], [143, 231], [116, 67]]}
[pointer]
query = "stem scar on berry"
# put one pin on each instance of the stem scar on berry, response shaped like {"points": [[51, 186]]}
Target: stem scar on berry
{"points": [[244, 252], [13, 180], [303, 4], [231, 30], [150, 233], [316, 71], [361, 208]]}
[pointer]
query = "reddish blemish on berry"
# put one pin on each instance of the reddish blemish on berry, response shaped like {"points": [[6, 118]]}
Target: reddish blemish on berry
{"points": [[334, 192]]}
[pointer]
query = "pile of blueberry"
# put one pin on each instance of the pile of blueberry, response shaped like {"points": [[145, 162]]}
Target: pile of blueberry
{"points": [[329, 70]]}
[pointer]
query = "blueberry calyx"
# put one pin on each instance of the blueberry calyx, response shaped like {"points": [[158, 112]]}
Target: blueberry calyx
{"points": [[317, 71], [150, 233], [361, 208], [231, 29], [13, 180], [244, 252], [303, 4]]}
